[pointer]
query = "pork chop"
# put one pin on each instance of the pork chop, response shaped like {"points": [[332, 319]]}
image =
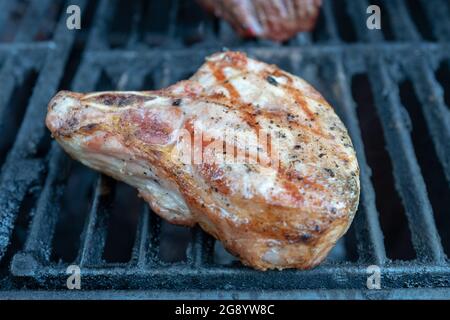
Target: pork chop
{"points": [[251, 153]]}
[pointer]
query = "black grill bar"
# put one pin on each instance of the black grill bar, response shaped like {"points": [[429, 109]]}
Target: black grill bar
{"points": [[368, 230], [138, 16], [282, 294], [330, 22], [200, 250], [178, 277], [9, 80], [173, 19], [37, 248], [437, 14], [20, 170], [403, 26], [103, 18], [142, 243], [406, 169], [430, 94], [94, 236], [152, 252]]}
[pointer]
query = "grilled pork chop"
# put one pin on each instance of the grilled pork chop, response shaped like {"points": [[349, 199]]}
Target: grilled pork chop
{"points": [[251, 153], [277, 20]]}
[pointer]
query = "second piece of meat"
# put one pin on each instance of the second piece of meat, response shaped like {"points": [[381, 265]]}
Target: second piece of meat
{"points": [[277, 20]]}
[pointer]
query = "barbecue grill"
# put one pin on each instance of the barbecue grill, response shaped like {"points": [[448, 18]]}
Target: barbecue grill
{"points": [[391, 88]]}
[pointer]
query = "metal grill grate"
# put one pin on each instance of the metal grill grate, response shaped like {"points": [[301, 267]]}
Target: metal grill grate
{"points": [[37, 178]]}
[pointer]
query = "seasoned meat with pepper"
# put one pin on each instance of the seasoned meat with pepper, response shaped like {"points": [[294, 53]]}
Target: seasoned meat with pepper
{"points": [[277, 20], [251, 153]]}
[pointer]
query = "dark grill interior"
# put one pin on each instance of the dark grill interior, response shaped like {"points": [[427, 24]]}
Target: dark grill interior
{"points": [[391, 88]]}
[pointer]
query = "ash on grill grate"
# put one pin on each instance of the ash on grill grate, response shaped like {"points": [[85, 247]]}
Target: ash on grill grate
{"points": [[390, 208], [33, 70], [437, 186], [115, 238]]}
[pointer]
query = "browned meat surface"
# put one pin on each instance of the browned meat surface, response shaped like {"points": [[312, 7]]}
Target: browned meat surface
{"points": [[277, 20], [251, 153]]}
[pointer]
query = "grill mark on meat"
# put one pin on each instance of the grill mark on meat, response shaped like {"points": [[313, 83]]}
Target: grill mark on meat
{"points": [[298, 97], [291, 188], [220, 77], [270, 224], [306, 182], [234, 60], [248, 114], [252, 158], [294, 92], [248, 110], [215, 177], [286, 177]]}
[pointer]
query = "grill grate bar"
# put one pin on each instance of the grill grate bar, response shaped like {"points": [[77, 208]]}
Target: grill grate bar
{"points": [[94, 235], [152, 254], [138, 16], [402, 25], [173, 19], [200, 250], [14, 184], [178, 277], [433, 106], [330, 22], [368, 230], [438, 13], [141, 245], [19, 172], [103, 18], [407, 173], [37, 248], [8, 80]]}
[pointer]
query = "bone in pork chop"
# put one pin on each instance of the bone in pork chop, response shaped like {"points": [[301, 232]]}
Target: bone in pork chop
{"points": [[251, 153]]}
